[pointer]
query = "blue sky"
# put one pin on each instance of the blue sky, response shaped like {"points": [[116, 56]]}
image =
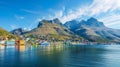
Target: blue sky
{"points": [[27, 13]]}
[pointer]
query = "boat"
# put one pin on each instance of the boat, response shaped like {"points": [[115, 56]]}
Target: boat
{"points": [[45, 43], [2, 42]]}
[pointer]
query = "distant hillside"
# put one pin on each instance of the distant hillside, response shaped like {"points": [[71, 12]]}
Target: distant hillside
{"points": [[4, 33], [93, 30], [18, 31], [51, 29]]}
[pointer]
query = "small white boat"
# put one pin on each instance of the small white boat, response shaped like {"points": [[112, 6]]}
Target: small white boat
{"points": [[2, 42], [45, 43]]}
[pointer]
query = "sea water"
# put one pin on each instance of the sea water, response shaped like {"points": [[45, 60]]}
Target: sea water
{"points": [[60, 56]]}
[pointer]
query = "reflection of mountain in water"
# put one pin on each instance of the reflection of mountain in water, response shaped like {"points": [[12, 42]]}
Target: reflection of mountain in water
{"points": [[81, 56]]}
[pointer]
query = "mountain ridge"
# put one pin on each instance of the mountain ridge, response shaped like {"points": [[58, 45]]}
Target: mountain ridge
{"points": [[51, 29], [19, 31], [93, 29]]}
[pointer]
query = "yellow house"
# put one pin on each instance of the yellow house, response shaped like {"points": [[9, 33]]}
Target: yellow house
{"points": [[22, 42]]}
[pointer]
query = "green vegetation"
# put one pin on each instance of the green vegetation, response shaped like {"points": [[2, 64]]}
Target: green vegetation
{"points": [[50, 31], [4, 34]]}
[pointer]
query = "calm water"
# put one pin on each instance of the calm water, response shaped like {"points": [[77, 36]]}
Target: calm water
{"points": [[59, 56]]}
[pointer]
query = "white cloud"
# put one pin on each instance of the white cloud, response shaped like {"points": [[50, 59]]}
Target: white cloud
{"points": [[30, 11], [13, 26], [57, 14], [39, 19], [103, 6], [28, 29], [19, 17], [96, 8], [53, 14], [111, 20], [72, 15]]}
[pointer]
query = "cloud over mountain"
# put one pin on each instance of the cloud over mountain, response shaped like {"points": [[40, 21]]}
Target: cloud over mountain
{"points": [[102, 9]]}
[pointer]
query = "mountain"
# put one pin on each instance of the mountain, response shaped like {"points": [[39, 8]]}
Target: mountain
{"points": [[93, 30], [3, 32], [19, 31], [51, 29], [72, 25], [92, 22], [54, 21]]}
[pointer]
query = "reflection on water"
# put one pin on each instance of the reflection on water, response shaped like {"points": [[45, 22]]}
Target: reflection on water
{"points": [[20, 48], [60, 56]]}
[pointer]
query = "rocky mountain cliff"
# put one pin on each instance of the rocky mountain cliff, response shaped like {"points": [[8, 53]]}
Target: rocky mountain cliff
{"points": [[93, 30], [51, 29], [19, 31]]}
